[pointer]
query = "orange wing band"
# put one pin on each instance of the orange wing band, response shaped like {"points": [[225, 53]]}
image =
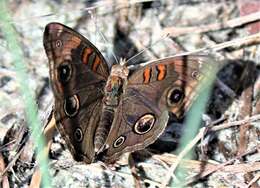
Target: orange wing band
{"points": [[147, 75], [86, 54], [162, 72]]}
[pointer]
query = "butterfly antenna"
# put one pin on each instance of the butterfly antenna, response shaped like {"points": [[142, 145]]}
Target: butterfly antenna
{"points": [[148, 47], [102, 36]]}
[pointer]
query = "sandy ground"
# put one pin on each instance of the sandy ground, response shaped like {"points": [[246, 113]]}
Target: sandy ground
{"points": [[227, 156]]}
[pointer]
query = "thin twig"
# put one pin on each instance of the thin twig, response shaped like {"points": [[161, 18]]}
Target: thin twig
{"points": [[200, 136], [218, 167], [255, 179], [208, 166], [235, 123], [178, 31], [236, 43], [17, 155], [182, 154], [137, 179], [100, 4]]}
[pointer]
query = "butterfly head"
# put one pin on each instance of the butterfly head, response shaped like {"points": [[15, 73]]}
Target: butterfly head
{"points": [[122, 61], [120, 70]]}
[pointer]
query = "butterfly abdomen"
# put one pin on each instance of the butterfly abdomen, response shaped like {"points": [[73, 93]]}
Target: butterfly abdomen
{"points": [[106, 120]]}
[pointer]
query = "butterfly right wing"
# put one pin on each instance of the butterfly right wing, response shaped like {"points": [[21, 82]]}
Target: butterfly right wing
{"points": [[78, 73], [167, 85]]}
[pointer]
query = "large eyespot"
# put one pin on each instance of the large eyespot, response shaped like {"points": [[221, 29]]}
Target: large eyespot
{"points": [[64, 72], [175, 96], [71, 105], [78, 135], [144, 124], [119, 141]]}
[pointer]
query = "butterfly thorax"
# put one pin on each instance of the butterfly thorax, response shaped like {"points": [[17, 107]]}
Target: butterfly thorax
{"points": [[115, 85]]}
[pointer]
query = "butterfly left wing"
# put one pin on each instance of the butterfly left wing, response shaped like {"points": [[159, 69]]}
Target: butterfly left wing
{"points": [[78, 74], [166, 85]]}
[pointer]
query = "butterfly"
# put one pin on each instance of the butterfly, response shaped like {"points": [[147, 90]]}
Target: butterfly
{"points": [[103, 112]]}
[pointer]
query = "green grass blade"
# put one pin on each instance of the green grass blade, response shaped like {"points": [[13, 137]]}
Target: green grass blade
{"points": [[193, 121], [27, 96]]}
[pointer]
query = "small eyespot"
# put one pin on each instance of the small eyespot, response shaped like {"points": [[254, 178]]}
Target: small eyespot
{"points": [[58, 43], [195, 75], [71, 106], [119, 141], [175, 96], [78, 135], [144, 124], [64, 72]]}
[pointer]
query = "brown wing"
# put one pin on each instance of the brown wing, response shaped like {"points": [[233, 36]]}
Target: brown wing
{"points": [[165, 85], [78, 73]]}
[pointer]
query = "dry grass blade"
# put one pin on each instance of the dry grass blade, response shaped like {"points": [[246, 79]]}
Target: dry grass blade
{"points": [[3, 179], [246, 110], [48, 133], [137, 179]]}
